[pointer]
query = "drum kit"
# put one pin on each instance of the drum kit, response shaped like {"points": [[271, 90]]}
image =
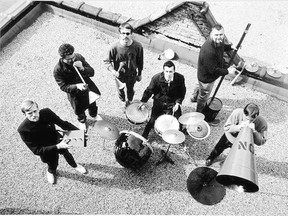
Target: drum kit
{"points": [[131, 150]]}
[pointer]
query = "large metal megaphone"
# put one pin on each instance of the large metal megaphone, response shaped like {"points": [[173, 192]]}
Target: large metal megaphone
{"points": [[239, 167]]}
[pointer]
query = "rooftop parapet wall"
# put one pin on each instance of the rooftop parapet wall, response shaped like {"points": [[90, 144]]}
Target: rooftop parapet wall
{"points": [[197, 14]]}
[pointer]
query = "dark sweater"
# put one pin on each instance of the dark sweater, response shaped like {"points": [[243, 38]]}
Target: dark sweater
{"points": [[211, 62], [131, 56], [41, 137]]}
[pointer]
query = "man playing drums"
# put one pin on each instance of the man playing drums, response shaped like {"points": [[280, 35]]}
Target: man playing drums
{"points": [[168, 88]]}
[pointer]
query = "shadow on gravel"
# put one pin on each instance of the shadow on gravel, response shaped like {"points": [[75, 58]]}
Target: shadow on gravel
{"points": [[150, 179], [273, 168]]}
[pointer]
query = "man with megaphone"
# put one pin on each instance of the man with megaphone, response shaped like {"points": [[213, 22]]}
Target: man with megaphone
{"points": [[72, 73], [239, 118]]}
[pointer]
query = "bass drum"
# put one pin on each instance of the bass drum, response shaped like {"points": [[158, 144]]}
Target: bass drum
{"points": [[132, 150]]}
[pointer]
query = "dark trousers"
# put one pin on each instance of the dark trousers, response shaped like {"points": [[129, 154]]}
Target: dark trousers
{"points": [[222, 144], [130, 82], [52, 159], [92, 110], [80, 102], [155, 113]]}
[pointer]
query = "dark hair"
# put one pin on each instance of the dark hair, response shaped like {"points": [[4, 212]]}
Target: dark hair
{"points": [[65, 50], [26, 105], [217, 27], [252, 110], [169, 64], [126, 25]]}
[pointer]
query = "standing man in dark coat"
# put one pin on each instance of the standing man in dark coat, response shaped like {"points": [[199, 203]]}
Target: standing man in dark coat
{"points": [[211, 65], [39, 134], [168, 88], [70, 82]]}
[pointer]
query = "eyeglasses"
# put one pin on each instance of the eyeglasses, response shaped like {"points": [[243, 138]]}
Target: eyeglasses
{"points": [[72, 57], [126, 33]]}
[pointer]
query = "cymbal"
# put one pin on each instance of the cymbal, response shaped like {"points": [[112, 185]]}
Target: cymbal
{"points": [[203, 187], [199, 131], [191, 118], [107, 130], [173, 136]]}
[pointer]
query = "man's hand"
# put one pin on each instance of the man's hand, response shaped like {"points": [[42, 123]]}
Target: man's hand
{"points": [[115, 73], [252, 126], [141, 106], [243, 124], [81, 86], [176, 107], [138, 78], [231, 70], [63, 144], [79, 65]]}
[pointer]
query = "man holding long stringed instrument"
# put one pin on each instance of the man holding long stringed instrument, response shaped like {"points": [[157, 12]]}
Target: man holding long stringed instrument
{"points": [[72, 73], [211, 65]]}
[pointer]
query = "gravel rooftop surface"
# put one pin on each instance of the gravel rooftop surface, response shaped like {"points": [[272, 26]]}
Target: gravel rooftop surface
{"points": [[26, 71]]}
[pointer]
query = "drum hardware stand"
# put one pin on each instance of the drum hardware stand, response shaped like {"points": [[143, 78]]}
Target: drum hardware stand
{"points": [[165, 157], [185, 148]]}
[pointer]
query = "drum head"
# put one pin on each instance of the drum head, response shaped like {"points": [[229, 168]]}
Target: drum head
{"points": [[199, 131], [136, 115], [216, 104], [132, 150], [166, 122]]}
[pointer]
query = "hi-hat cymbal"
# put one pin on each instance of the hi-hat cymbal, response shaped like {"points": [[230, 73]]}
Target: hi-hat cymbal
{"points": [[107, 130], [173, 136], [191, 118]]}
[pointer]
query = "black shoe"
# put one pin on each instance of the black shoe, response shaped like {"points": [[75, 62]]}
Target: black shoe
{"points": [[214, 123], [209, 162]]}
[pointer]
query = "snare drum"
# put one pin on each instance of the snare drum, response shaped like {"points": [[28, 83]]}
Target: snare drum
{"points": [[199, 131], [166, 122], [132, 150], [135, 115]]}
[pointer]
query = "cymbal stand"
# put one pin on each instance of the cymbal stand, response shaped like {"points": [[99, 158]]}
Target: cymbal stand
{"points": [[165, 157], [185, 148]]}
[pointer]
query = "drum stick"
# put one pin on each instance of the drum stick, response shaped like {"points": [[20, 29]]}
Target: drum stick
{"points": [[236, 77], [119, 84]]}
